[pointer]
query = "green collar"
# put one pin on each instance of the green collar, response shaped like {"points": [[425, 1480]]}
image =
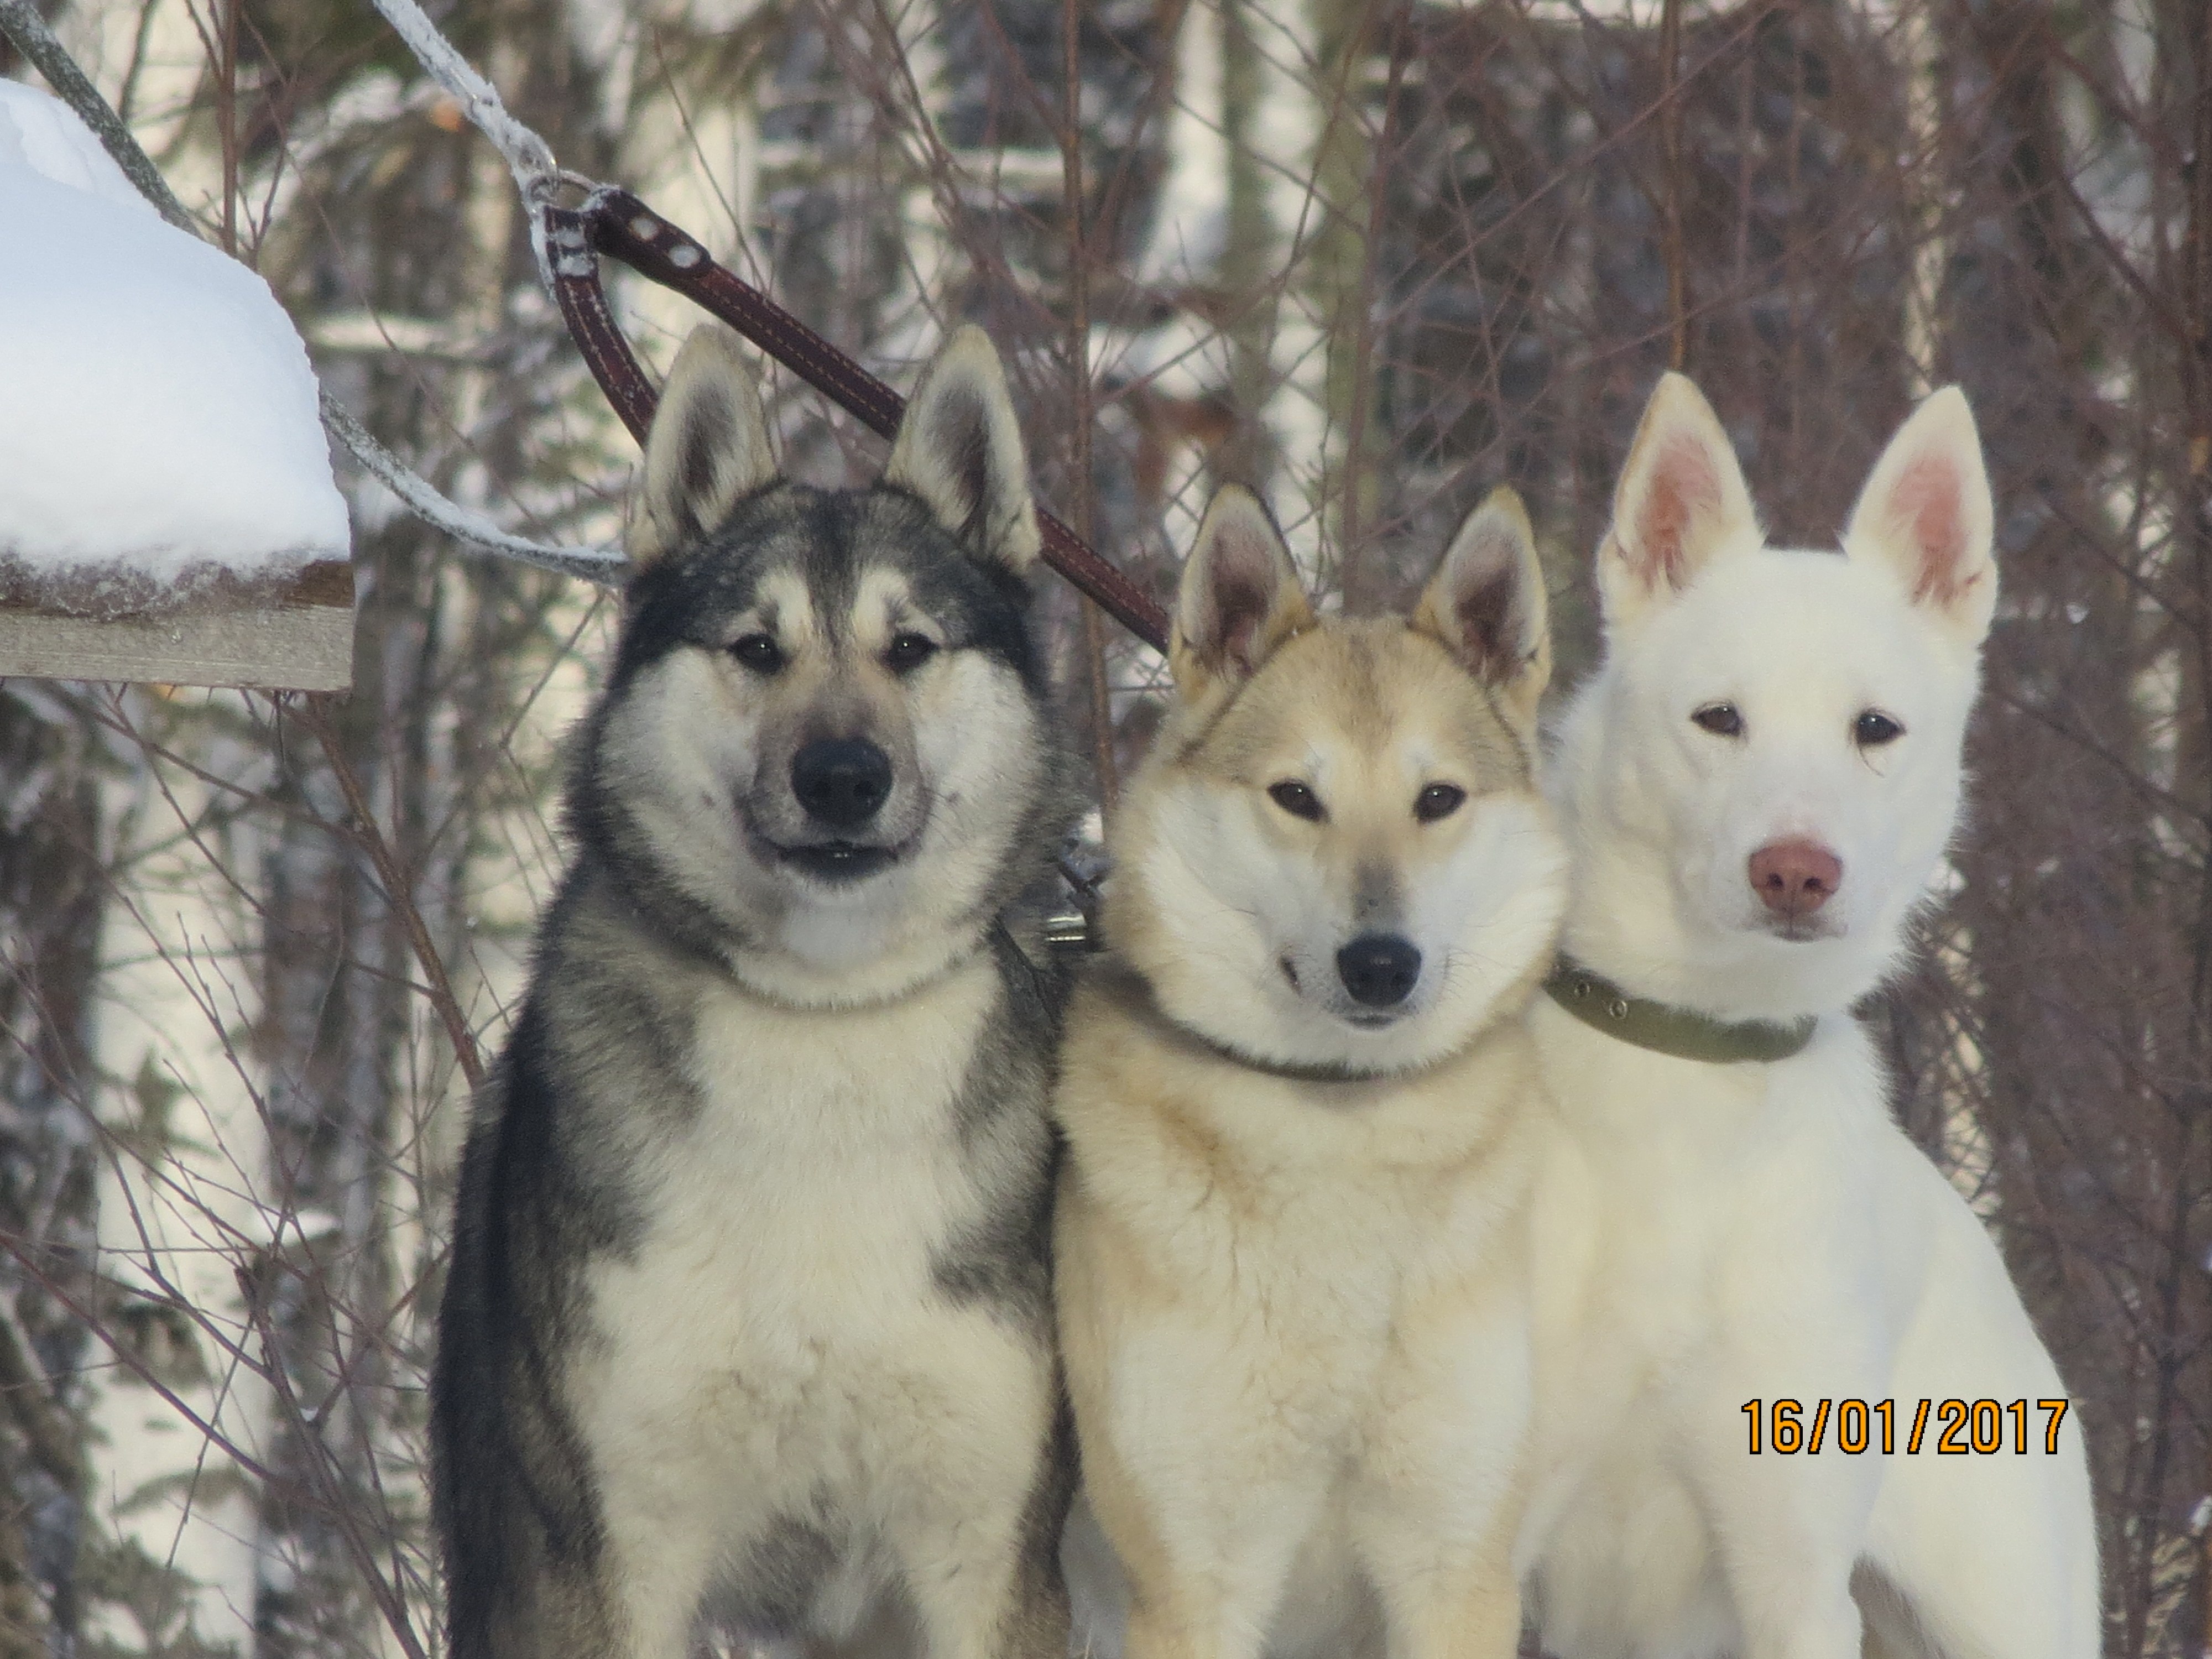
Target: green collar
{"points": [[1597, 1001]]}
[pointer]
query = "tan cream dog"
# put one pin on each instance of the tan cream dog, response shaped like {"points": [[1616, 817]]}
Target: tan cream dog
{"points": [[1290, 1230]]}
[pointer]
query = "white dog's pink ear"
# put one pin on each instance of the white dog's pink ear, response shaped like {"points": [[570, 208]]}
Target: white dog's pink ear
{"points": [[1926, 511], [1487, 606], [1239, 599], [707, 449], [959, 448], [1681, 501]]}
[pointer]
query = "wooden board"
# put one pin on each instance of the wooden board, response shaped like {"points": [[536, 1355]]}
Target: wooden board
{"points": [[295, 635]]}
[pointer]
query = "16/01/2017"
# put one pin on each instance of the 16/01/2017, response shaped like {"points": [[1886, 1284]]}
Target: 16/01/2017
{"points": [[1853, 1426]]}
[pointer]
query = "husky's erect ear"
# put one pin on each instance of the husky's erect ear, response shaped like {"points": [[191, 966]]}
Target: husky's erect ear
{"points": [[1681, 501], [960, 449], [707, 450], [1486, 604], [1926, 513], [1239, 597]]}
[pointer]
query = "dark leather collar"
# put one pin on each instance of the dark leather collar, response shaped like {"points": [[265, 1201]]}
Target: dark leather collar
{"points": [[1130, 984]]}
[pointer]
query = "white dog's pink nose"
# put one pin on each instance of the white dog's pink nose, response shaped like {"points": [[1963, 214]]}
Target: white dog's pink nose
{"points": [[1796, 877]]}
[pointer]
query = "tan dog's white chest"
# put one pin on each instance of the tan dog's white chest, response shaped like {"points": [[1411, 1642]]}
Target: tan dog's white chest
{"points": [[1293, 1312], [1290, 1291]]}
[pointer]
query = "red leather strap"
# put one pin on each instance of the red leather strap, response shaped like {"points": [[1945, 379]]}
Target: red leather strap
{"points": [[616, 223]]}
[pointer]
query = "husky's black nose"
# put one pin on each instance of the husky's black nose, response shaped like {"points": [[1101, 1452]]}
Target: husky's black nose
{"points": [[1379, 969], [840, 780]]}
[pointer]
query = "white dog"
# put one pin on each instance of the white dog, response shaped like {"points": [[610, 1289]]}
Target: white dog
{"points": [[1737, 1242]]}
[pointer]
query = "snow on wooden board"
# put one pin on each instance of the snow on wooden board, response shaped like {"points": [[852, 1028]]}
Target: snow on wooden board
{"points": [[166, 506]]}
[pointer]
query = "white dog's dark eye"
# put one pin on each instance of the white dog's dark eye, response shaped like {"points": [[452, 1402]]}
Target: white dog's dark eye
{"points": [[1872, 728], [1296, 799], [757, 651], [1438, 800], [908, 651], [1722, 720]]}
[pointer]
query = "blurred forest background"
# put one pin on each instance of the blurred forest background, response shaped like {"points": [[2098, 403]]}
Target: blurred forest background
{"points": [[1374, 256]]}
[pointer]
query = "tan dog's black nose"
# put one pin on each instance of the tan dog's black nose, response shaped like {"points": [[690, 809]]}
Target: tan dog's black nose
{"points": [[1379, 969], [1795, 878]]}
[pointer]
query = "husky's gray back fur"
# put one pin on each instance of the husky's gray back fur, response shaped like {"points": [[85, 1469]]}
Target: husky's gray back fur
{"points": [[784, 1049]]}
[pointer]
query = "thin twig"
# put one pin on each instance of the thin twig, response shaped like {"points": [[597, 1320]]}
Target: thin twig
{"points": [[226, 116], [1356, 437], [56, 1441], [398, 893], [1078, 377], [319, 1459], [1670, 152]]}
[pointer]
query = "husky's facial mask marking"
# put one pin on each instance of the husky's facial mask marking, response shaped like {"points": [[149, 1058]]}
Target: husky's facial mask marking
{"points": [[1344, 871], [1783, 726], [825, 695]]}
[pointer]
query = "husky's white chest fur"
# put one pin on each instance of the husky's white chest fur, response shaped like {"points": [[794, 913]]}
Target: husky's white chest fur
{"points": [[776, 1336]]}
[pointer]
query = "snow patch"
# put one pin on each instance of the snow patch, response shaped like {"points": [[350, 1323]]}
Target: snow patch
{"points": [[160, 433]]}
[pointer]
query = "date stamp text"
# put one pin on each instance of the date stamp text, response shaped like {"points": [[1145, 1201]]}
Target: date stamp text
{"points": [[1852, 1426]]}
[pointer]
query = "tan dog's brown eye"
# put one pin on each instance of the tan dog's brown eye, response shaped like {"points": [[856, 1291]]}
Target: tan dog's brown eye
{"points": [[908, 651], [1438, 800], [758, 653], [1297, 799], [1722, 720]]}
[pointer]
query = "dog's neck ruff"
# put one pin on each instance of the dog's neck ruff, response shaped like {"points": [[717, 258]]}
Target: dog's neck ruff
{"points": [[1291, 1070], [1597, 1001]]}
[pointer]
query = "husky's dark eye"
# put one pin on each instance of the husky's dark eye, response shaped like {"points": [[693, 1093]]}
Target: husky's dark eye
{"points": [[1872, 728], [1722, 720], [908, 651], [1438, 800], [1297, 799], [757, 651]]}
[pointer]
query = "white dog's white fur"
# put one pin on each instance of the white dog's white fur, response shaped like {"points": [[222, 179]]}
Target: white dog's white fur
{"points": [[1712, 1234]]}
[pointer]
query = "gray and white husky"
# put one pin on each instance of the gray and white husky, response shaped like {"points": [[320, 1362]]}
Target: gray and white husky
{"points": [[749, 1315]]}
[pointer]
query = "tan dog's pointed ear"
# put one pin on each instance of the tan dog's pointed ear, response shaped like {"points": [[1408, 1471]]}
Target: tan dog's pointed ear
{"points": [[1486, 605], [1239, 597], [960, 449], [1681, 501], [707, 450], [1926, 511]]}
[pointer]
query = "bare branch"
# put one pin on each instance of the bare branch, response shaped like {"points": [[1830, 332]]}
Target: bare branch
{"points": [[523, 150], [604, 565], [528, 156], [21, 22]]}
